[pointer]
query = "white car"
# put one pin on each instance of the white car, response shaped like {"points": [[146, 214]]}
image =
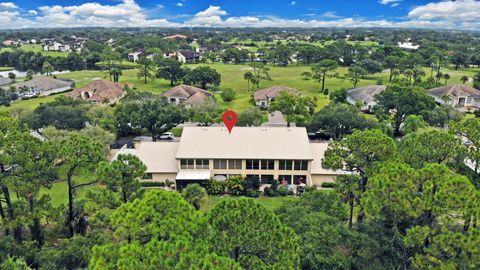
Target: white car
{"points": [[167, 136]]}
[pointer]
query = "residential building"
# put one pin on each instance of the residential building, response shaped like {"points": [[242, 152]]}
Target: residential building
{"points": [[186, 94], [134, 56], [42, 86], [188, 57], [170, 55], [460, 96], [100, 92], [4, 82], [365, 96], [263, 97], [279, 153], [56, 47], [177, 36], [408, 46], [10, 42]]}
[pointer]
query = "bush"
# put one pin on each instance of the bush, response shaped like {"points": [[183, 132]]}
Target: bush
{"points": [[311, 188], [228, 94], [283, 191], [234, 185], [251, 184], [272, 191], [195, 195], [215, 187], [328, 185], [252, 193], [152, 184]]}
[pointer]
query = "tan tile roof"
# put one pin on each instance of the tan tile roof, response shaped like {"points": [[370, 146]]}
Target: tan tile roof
{"points": [[191, 94], [454, 90], [99, 91], [158, 157], [272, 92], [245, 143], [318, 151], [43, 83]]}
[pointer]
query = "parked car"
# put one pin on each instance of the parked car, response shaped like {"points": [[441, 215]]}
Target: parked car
{"points": [[167, 136]]}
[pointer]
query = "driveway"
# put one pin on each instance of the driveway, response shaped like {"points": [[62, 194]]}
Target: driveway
{"points": [[275, 119]]}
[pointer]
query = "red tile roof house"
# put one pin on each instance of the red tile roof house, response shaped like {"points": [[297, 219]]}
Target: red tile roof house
{"points": [[186, 94], [264, 96], [100, 92], [461, 96]]}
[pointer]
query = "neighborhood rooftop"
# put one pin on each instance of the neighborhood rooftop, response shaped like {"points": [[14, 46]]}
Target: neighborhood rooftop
{"points": [[99, 91], [245, 143], [272, 92], [43, 83], [454, 90], [365, 94]]}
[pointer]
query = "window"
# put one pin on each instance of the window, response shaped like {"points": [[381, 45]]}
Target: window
{"points": [[287, 178], [285, 165], [469, 100], [202, 164], [301, 165], [268, 164], [253, 176], [148, 176], [266, 179], [297, 179], [253, 164], [235, 164], [187, 164], [220, 164]]}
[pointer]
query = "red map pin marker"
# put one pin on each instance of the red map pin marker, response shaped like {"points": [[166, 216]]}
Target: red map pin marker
{"points": [[229, 118]]}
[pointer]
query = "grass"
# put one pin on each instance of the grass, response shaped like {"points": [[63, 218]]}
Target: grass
{"points": [[6, 68], [177, 132], [38, 48], [271, 203], [232, 76]]}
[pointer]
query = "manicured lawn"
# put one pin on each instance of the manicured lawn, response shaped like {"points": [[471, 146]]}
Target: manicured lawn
{"points": [[271, 203], [232, 76], [6, 68], [37, 48]]}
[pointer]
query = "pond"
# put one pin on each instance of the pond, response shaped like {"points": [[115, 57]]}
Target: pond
{"points": [[24, 73]]}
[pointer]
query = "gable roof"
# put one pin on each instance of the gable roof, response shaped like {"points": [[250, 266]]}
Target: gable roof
{"points": [[191, 94], [4, 81], [43, 83], [273, 92], [99, 91], [157, 156], [454, 90], [188, 54], [365, 94], [245, 143]]}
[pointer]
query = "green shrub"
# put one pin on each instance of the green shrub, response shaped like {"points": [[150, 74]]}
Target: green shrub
{"points": [[234, 185], [251, 184], [252, 193], [272, 191], [215, 187], [195, 195], [283, 191], [328, 185], [228, 94], [152, 184]]}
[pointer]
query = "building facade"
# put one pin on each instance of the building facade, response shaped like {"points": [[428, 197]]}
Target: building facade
{"points": [[276, 153]]}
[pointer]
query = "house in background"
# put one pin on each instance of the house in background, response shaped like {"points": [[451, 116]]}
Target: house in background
{"points": [[5, 82], [42, 86], [264, 96], [100, 92], [460, 96], [134, 56], [186, 94], [177, 36], [56, 47], [188, 57], [365, 96], [10, 42], [283, 154]]}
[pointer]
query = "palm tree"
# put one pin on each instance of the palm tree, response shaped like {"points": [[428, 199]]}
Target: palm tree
{"points": [[409, 74], [116, 72], [418, 73], [248, 77], [446, 76], [464, 79]]}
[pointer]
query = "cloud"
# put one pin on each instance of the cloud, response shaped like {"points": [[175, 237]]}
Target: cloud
{"points": [[179, 4], [293, 3], [454, 11], [386, 2], [129, 13]]}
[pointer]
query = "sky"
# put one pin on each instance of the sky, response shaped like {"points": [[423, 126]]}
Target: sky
{"points": [[456, 14]]}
